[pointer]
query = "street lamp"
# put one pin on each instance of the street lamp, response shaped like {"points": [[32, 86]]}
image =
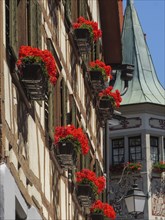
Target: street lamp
{"points": [[135, 201]]}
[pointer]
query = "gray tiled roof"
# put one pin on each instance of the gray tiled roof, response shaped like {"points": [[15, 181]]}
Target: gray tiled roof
{"points": [[145, 86]]}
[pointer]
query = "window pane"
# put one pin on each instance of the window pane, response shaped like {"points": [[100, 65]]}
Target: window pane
{"points": [[118, 151], [135, 149], [132, 150], [115, 151], [121, 159], [121, 151], [138, 149], [115, 158]]}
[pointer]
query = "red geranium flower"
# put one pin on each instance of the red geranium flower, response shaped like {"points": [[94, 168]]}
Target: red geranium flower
{"points": [[136, 166], [28, 54], [86, 176], [98, 65], [113, 96], [103, 208], [92, 26], [76, 135]]}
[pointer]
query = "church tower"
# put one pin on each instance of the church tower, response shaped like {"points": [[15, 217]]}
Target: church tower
{"points": [[140, 136]]}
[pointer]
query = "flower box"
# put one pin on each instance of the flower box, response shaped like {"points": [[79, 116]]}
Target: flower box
{"points": [[82, 37], [104, 209], [96, 79], [88, 186], [85, 195], [35, 68], [133, 168], [105, 103], [97, 216], [66, 154], [69, 141], [86, 32], [34, 81], [96, 75], [159, 167]]}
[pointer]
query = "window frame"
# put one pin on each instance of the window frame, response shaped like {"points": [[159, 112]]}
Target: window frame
{"points": [[119, 162], [135, 146]]}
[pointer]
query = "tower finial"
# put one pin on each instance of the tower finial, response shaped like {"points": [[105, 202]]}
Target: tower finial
{"points": [[129, 2]]}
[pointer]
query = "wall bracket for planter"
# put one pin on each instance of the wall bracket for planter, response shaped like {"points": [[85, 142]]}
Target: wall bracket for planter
{"points": [[34, 81], [85, 195], [66, 154], [83, 40]]}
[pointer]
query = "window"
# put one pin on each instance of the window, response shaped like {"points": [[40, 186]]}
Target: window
{"points": [[22, 30], [154, 148], [118, 151], [135, 150]]}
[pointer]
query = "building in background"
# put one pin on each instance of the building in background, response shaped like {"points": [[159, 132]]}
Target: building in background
{"points": [[140, 137], [33, 185]]}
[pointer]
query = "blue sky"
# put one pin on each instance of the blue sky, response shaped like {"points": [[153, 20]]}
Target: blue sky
{"points": [[152, 18]]}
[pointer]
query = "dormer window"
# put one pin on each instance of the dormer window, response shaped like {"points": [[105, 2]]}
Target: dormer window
{"points": [[154, 149], [135, 149]]}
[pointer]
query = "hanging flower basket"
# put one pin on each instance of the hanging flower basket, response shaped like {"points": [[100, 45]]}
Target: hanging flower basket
{"points": [[85, 194], [158, 167], [99, 73], [105, 103], [88, 186], [69, 141], [83, 40], [85, 32], [100, 209], [35, 68], [109, 98], [97, 216]]}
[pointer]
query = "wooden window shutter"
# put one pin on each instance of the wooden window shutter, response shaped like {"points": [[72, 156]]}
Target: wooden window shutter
{"points": [[68, 10], [51, 110], [39, 45], [13, 32], [63, 103], [22, 22], [83, 8], [35, 24], [74, 120]]}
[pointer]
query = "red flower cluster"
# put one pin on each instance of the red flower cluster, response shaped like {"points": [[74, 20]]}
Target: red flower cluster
{"points": [[45, 56], [75, 134], [114, 96], [91, 25], [133, 166], [88, 176], [100, 66], [104, 208]]}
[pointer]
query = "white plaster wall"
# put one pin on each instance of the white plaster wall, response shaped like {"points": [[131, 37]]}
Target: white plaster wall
{"points": [[41, 113], [47, 175], [63, 201], [33, 146], [8, 194], [41, 150]]}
